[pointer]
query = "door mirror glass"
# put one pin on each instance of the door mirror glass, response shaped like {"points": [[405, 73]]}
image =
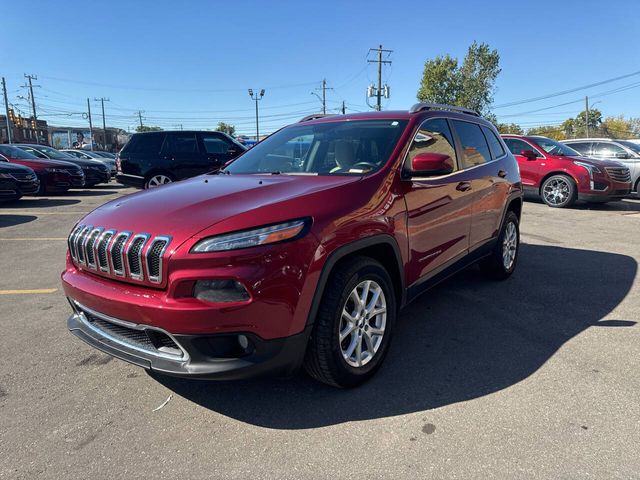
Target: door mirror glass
{"points": [[622, 155], [529, 154], [431, 164]]}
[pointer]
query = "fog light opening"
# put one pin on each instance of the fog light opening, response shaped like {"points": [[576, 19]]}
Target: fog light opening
{"points": [[220, 291], [243, 341]]}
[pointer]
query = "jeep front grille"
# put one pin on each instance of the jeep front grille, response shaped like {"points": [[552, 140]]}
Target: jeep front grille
{"points": [[122, 254]]}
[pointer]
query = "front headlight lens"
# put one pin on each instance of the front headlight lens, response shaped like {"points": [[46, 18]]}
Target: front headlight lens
{"points": [[5, 175], [251, 238], [592, 168]]}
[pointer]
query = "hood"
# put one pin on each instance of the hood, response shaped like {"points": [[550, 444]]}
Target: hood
{"points": [[183, 209], [40, 164], [82, 162], [597, 162], [6, 167]]}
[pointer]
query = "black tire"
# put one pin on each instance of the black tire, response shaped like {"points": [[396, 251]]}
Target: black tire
{"points": [[566, 185], [324, 359], [494, 266], [149, 179], [42, 189]]}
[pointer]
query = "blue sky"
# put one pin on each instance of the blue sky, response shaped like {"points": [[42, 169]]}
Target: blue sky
{"points": [[191, 63]]}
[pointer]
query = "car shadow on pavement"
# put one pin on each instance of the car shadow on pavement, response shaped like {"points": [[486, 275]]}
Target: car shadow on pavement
{"points": [[631, 204], [12, 220], [466, 338], [40, 202]]}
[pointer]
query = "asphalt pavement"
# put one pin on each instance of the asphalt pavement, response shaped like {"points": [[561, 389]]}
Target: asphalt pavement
{"points": [[534, 377]]}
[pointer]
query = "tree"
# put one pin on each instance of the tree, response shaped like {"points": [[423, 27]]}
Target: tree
{"points": [[145, 128], [513, 128], [468, 85], [620, 127], [549, 131], [226, 128]]}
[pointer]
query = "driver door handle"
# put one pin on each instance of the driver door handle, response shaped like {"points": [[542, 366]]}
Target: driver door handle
{"points": [[463, 186]]}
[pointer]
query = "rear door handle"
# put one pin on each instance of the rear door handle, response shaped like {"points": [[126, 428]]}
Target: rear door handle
{"points": [[502, 173], [463, 186]]}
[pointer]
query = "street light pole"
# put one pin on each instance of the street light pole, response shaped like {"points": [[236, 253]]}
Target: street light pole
{"points": [[257, 98]]}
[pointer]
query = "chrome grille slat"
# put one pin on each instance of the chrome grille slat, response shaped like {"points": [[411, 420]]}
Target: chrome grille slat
{"points": [[136, 256], [619, 174]]}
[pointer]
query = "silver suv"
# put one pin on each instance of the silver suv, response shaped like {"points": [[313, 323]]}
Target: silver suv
{"points": [[622, 151]]}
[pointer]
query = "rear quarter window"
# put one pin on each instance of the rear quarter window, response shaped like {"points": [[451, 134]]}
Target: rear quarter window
{"points": [[144, 143], [495, 145]]}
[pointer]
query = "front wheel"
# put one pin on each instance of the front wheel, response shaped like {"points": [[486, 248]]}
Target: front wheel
{"points": [[559, 191], [353, 328], [502, 261]]}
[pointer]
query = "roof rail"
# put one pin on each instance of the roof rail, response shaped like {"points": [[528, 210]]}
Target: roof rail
{"points": [[419, 107], [315, 116]]}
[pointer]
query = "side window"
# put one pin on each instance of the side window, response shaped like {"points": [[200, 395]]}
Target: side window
{"points": [[582, 147], [516, 146], [149, 143], [494, 144], [433, 136], [475, 150], [181, 143], [607, 149], [215, 145]]}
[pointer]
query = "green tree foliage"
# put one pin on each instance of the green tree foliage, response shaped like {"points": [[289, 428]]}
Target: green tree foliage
{"points": [[226, 128], [551, 131], [145, 128], [620, 127], [513, 128], [468, 85]]}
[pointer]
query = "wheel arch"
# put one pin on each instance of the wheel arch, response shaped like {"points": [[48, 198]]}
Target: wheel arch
{"points": [[557, 172], [382, 248]]}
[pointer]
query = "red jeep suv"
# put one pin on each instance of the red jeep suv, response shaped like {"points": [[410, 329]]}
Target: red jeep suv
{"points": [[301, 251], [560, 175]]}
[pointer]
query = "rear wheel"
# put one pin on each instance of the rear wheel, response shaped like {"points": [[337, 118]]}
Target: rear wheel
{"points": [[42, 189], [502, 261], [158, 179], [558, 191], [353, 328]]}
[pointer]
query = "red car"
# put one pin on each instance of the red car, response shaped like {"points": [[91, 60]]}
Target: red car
{"points": [[300, 251], [54, 175], [560, 175]]}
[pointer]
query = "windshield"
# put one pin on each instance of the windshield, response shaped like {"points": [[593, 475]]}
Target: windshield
{"points": [[630, 145], [555, 148], [353, 147], [14, 152], [56, 154]]}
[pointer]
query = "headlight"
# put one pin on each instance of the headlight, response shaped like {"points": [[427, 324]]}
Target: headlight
{"points": [[5, 175], [591, 168], [55, 170], [252, 238]]}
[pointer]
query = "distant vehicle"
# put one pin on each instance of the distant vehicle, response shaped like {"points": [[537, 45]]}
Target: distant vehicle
{"points": [[16, 181], [89, 155], [152, 159], [559, 175], [54, 175], [626, 152], [104, 154], [94, 171]]}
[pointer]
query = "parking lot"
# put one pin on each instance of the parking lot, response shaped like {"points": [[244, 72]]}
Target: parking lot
{"points": [[535, 377]]}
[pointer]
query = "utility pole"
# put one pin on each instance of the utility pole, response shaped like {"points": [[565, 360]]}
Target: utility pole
{"points": [[324, 89], [344, 110], [6, 109], [140, 117], [33, 104], [586, 104], [104, 123], [257, 98], [90, 124], [380, 62]]}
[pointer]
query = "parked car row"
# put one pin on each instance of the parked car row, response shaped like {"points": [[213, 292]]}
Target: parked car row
{"points": [[560, 174], [39, 169]]}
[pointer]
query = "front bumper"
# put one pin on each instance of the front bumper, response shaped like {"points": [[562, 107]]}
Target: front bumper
{"points": [[93, 177], [196, 356]]}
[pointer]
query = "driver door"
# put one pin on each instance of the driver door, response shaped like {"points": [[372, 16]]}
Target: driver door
{"points": [[529, 169]]}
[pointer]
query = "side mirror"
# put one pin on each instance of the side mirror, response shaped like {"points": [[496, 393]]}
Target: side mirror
{"points": [[428, 164], [529, 154], [622, 155]]}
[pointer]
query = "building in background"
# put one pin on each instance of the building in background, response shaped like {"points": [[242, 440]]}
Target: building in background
{"points": [[23, 129], [80, 137]]}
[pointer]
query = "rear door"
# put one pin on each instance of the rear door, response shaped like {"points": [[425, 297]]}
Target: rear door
{"points": [[182, 156], [217, 150], [529, 168], [438, 207], [141, 154]]}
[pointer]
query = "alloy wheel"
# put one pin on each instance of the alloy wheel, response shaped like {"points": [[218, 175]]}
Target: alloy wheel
{"points": [[556, 191], [362, 324], [158, 180], [509, 245]]}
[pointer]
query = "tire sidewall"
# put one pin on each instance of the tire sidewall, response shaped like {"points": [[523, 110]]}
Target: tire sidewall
{"points": [[510, 218], [572, 191], [345, 371]]}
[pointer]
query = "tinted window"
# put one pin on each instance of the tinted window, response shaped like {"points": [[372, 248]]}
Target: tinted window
{"points": [[634, 147], [475, 150], [214, 144], [584, 148], [325, 148], [14, 152], [607, 149], [516, 146], [433, 136], [145, 143], [181, 143], [494, 144]]}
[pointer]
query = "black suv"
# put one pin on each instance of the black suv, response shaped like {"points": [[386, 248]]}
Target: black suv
{"points": [[155, 158]]}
